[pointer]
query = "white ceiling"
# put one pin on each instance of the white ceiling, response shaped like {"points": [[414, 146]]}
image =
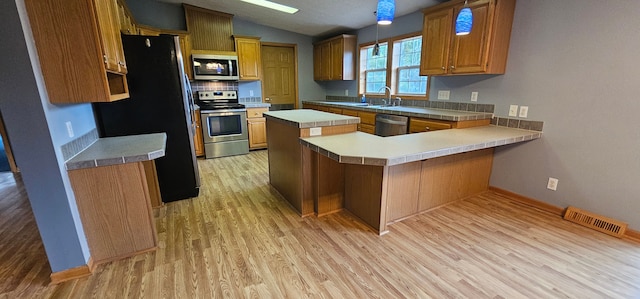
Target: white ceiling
{"points": [[315, 18]]}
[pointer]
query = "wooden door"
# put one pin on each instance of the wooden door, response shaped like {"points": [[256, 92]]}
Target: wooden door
{"points": [[436, 40], [470, 52], [279, 66], [107, 34]]}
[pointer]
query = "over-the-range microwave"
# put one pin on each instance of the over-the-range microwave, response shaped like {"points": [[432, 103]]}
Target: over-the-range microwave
{"points": [[215, 67]]}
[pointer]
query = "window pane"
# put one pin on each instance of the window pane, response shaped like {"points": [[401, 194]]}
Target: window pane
{"points": [[408, 79], [410, 82], [375, 80]]}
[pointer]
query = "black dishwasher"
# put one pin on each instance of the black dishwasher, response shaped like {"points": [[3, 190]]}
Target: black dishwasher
{"points": [[391, 125]]}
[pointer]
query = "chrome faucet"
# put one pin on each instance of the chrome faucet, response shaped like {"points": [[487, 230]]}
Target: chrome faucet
{"points": [[389, 89], [399, 101]]}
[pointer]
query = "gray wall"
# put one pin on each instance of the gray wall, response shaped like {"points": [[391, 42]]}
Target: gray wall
{"points": [[574, 64], [158, 14], [37, 130]]}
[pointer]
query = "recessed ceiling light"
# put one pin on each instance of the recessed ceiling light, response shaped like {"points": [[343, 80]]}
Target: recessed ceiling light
{"points": [[273, 5]]}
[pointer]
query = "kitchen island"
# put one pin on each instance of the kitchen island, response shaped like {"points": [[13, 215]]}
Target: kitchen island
{"points": [[382, 180], [289, 160]]}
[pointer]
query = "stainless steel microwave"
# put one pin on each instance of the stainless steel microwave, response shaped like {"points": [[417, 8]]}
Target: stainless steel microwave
{"points": [[215, 67]]}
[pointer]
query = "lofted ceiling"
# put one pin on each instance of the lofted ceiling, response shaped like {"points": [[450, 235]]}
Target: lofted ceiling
{"points": [[315, 17]]}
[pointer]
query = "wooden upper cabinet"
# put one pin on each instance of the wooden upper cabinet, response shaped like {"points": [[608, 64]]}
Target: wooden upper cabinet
{"points": [[127, 22], [335, 58], [209, 30], [80, 50], [436, 40], [483, 51], [249, 57], [148, 30]]}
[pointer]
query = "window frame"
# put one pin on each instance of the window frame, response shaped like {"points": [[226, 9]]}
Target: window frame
{"points": [[362, 74], [392, 70]]}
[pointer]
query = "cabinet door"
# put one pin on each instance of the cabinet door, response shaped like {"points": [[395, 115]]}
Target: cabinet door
{"points": [[198, 141], [470, 52], [436, 40], [337, 54], [249, 58], [317, 62], [257, 132], [325, 60], [107, 34]]}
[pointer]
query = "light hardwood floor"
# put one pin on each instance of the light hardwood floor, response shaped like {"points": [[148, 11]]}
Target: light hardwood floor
{"points": [[239, 239]]}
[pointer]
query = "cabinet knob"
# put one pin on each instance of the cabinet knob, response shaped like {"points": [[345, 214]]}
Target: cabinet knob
{"points": [[453, 67], [121, 63], [444, 68], [428, 129], [105, 58]]}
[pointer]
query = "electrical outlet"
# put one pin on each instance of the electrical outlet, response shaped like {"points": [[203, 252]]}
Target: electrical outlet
{"points": [[474, 96], [513, 110], [250, 93], [552, 184], [69, 129], [315, 131], [443, 94], [346, 92], [524, 110]]}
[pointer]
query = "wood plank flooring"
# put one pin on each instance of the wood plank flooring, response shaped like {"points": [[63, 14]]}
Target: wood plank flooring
{"points": [[240, 239]]}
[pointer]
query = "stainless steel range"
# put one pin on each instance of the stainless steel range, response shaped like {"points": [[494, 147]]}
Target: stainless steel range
{"points": [[224, 124]]}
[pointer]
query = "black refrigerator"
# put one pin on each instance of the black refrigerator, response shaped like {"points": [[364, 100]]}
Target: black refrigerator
{"points": [[160, 101]]}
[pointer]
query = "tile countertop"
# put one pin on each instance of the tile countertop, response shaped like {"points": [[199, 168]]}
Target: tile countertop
{"points": [[442, 114], [256, 105], [367, 149], [306, 118], [120, 150]]}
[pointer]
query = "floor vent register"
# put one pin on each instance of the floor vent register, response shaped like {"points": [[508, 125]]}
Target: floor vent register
{"points": [[594, 221]]}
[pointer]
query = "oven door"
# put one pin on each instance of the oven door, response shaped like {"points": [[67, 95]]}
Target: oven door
{"points": [[224, 125]]}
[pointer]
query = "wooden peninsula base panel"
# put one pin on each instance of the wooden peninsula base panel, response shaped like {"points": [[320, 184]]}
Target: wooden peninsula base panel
{"points": [[382, 195]]}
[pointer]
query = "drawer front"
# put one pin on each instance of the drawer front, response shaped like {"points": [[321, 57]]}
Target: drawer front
{"points": [[371, 129], [256, 112], [335, 110], [368, 118], [349, 112], [417, 125]]}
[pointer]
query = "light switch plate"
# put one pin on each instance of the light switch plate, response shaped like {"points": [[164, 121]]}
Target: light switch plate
{"points": [[69, 129], [474, 96], [315, 131], [443, 94], [524, 110], [513, 110]]}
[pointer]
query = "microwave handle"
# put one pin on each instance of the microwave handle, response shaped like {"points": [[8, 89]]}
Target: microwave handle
{"points": [[230, 67]]}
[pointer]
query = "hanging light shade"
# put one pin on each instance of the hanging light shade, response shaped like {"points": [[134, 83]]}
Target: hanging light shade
{"points": [[464, 21], [385, 12]]}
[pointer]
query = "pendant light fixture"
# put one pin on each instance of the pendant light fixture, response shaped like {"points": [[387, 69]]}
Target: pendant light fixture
{"points": [[376, 47], [385, 12], [464, 21]]}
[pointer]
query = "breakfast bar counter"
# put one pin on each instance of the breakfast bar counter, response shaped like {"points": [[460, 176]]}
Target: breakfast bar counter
{"points": [[382, 180]]}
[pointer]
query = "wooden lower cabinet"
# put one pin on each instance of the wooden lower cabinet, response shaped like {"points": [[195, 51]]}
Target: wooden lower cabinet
{"points": [[257, 127], [382, 195], [198, 141], [367, 119], [115, 208]]}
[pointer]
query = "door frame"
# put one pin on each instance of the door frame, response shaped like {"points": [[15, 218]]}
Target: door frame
{"points": [[296, 103], [7, 146]]}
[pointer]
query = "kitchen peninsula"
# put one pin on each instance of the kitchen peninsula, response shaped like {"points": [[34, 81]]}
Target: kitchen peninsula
{"points": [[382, 180]]}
